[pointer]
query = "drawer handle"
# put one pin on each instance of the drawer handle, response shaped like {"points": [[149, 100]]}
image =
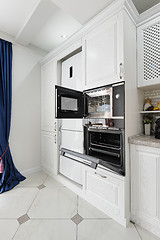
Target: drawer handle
{"points": [[102, 176]]}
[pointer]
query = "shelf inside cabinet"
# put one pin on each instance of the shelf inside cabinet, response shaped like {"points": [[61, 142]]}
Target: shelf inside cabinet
{"points": [[147, 112]]}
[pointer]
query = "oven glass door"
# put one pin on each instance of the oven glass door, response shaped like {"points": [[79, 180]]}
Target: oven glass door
{"points": [[106, 146], [69, 103]]}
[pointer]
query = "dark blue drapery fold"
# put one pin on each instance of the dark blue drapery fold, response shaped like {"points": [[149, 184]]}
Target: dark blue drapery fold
{"points": [[11, 177]]}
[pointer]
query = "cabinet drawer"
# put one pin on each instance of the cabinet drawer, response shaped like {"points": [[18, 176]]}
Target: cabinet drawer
{"points": [[72, 140], [71, 169], [107, 192], [105, 188]]}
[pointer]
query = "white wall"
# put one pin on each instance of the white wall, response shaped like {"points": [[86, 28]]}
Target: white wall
{"points": [[25, 123]]}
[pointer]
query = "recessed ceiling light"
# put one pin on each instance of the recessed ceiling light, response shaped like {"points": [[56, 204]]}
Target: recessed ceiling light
{"points": [[64, 36]]}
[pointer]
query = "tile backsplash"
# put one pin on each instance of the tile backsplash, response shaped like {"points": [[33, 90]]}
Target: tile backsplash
{"points": [[153, 95]]}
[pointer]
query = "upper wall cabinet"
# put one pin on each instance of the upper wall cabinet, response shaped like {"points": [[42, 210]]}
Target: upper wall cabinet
{"points": [[148, 36], [103, 53], [48, 81]]}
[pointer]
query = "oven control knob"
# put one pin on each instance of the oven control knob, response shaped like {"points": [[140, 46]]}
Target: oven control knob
{"points": [[111, 124], [118, 96]]}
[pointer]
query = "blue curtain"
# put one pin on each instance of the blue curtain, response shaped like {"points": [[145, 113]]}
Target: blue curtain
{"points": [[10, 177]]}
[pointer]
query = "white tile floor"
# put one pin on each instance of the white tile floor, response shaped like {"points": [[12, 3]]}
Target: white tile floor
{"points": [[51, 212]]}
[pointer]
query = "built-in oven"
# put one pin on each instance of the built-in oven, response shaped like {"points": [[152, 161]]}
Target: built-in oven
{"points": [[104, 102], [107, 145]]}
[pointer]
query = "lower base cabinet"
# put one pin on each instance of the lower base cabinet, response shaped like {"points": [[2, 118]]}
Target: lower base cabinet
{"points": [[49, 151], [106, 193], [145, 187]]}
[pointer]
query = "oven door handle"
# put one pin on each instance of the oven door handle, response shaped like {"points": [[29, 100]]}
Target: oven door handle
{"points": [[105, 152]]}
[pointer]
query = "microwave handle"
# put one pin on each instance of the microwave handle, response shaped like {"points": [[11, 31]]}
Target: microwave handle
{"points": [[85, 107]]}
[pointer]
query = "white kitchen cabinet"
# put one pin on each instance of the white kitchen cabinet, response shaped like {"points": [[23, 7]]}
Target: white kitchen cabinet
{"points": [[71, 169], [106, 191], [148, 40], [72, 140], [48, 81], [49, 146], [49, 151], [103, 53], [145, 187], [72, 124]]}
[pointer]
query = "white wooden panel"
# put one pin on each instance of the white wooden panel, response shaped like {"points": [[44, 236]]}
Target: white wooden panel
{"points": [[48, 81], [147, 179], [106, 189], [145, 187], [49, 151], [72, 124], [72, 140], [104, 54], [74, 82], [71, 169]]}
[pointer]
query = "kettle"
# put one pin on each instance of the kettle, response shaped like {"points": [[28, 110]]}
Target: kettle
{"points": [[157, 129]]}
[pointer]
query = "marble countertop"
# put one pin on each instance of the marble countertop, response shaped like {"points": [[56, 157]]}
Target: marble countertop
{"points": [[144, 140]]}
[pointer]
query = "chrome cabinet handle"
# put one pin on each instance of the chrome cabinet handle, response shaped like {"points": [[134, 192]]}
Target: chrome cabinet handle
{"points": [[55, 138], [120, 73], [102, 176], [55, 126]]}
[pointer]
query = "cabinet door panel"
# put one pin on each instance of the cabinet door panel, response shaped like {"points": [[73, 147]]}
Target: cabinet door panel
{"points": [[148, 39], [103, 188], [48, 81], [105, 192], [72, 124], [72, 140], [103, 54], [147, 183], [71, 169], [49, 151]]}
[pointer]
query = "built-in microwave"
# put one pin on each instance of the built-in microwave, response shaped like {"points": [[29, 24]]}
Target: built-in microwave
{"points": [[103, 102]]}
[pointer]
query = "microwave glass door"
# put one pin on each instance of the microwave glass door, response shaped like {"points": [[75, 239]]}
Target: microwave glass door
{"points": [[69, 103], [100, 103]]}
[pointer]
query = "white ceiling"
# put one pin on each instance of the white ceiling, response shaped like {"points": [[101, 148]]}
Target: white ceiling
{"points": [[82, 10], [13, 14], [40, 23]]}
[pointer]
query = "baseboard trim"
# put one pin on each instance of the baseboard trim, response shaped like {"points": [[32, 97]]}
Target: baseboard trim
{"points": [[31, 170], [150, 224]]}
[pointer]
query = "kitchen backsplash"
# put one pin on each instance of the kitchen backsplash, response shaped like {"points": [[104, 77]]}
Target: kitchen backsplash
{"points": [[153, 95]]}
